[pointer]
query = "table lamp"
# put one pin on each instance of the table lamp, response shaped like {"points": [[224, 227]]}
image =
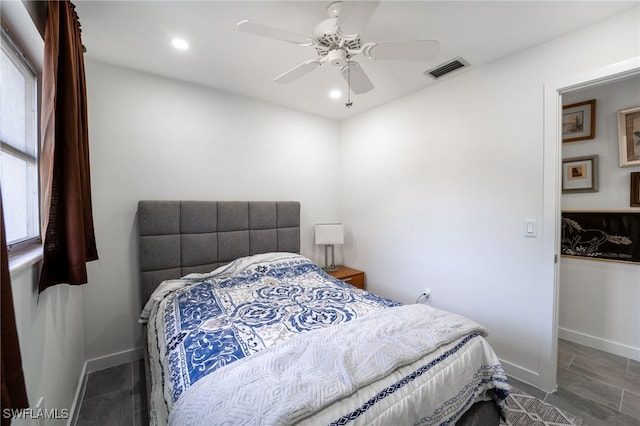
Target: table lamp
{"points": [[329, 234]]}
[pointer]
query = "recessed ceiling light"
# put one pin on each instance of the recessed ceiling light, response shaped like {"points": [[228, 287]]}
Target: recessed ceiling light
{"points": [[180, 44], [335, 94]]}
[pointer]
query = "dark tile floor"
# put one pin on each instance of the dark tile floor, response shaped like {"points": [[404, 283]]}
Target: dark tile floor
{"points": [[601, 388], [116, 396]]}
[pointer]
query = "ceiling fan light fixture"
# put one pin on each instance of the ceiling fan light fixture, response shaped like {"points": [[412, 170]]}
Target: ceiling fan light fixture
{"points": [[337, 57], [335, 94], [337, 40]]}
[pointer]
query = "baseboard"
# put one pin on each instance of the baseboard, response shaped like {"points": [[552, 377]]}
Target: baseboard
{"points": [[98, 364], [523, 374], [79, 395], [598, 343], [112, 360]]}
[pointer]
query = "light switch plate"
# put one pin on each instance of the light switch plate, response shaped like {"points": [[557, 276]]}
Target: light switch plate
{"points": [[530, 227]]}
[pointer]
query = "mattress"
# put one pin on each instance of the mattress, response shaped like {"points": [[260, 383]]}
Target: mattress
{"points": [[273, 339]]}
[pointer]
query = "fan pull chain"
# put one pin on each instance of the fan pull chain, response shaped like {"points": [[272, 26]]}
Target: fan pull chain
{"points": [[348, 104]]}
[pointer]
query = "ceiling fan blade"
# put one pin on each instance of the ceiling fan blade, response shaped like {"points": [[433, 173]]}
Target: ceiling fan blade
{"points": [[298, 71], [354, 16], [356, 78], [251, 27], [417, 50]]}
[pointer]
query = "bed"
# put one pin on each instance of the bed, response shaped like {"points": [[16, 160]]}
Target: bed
{"points": [[243, 329]]}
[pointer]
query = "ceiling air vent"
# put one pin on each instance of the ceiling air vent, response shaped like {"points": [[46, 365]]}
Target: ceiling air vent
{"points": [[447, 68]]}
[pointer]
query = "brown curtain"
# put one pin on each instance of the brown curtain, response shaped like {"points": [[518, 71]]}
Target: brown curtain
{"points": [[67, 228], [14, 394]]}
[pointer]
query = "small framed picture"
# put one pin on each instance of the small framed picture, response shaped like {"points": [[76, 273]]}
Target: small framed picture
{"points": [[579, 121], [635, 189], [629, 136], [580, 174]]}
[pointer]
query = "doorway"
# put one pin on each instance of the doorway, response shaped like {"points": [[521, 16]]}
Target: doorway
{"points": [[599, 301], [552, 159]]}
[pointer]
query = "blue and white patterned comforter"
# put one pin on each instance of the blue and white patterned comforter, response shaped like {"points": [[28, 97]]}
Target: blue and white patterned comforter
{"points": [[203, 322]]}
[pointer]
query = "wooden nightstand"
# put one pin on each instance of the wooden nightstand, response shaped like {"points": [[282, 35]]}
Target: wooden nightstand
{"points": [[349, 275]]}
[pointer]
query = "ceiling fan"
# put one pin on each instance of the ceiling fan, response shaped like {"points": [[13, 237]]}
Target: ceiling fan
{"points": [[338, 39]]}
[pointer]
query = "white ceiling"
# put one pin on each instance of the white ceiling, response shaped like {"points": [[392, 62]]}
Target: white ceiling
{"points": [[137, 34]]}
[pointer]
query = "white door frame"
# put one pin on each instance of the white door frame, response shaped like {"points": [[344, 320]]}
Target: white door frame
{"points": [[552, 160]]}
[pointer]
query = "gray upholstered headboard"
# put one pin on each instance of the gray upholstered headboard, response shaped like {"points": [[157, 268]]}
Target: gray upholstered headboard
{"points": [[180, 237]]}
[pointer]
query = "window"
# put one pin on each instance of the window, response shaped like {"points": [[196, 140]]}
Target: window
{"points": [[18, 147]]}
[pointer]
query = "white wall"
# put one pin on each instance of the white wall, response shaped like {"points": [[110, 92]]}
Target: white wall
{"points": [[600, 301], [51, 334], [440, 182], [155, 138]]}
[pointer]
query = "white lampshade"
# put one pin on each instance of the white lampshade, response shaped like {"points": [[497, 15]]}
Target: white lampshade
{"points": [[329, 233]]}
